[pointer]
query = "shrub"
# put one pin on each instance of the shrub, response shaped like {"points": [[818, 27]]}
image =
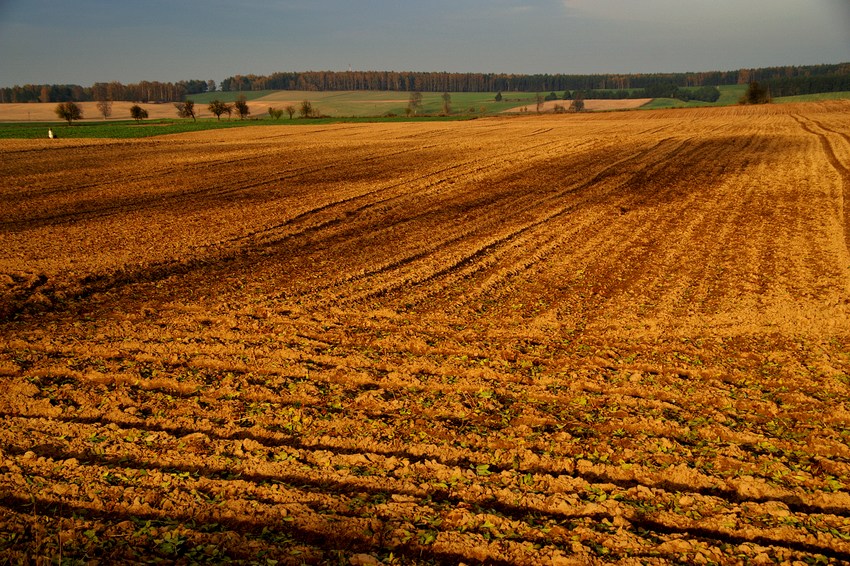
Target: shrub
{"points": [[138, 113], [756, 94]]}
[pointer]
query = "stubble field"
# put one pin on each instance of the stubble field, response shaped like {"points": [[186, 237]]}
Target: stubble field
{"points": [[576, 339]]}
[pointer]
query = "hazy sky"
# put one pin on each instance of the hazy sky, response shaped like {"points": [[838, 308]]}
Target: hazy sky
{"points": [[84, 41]]}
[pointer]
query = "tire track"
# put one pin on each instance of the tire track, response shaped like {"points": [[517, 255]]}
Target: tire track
{"points": [[843, 171], [469, 262]]}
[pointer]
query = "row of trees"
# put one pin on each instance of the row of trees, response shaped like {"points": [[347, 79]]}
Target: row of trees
{"points": [[704, 93], [783, 81], [794, 86], [145, 91], [71, 111], [495, 82]]}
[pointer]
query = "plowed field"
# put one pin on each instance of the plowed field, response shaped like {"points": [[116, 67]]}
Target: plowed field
{"points": [[618, 338]]}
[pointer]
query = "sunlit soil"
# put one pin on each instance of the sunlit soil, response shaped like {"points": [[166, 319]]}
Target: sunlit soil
{"points": [[567, 339]]}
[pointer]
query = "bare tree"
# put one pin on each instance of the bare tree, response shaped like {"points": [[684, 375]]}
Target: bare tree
{"points": [[306, 109], [577, 105], [104, 106], [290, 109], [414, 104], [447, 103], [186, 109], [241, 107]]}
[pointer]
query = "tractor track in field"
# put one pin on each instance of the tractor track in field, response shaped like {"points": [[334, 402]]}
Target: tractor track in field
{"points": [[840, 168]]}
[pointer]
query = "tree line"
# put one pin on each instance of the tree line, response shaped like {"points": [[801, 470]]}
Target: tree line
{"points": [[71, 111], [782, 81], [454, 82], [495, 82], [794, 86], [663, 90], [144, 91]]}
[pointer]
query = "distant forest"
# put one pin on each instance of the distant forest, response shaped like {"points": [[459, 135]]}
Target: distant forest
{"points": [[782, 81]]}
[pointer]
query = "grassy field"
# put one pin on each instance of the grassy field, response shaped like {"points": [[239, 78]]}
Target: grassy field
{"points": [[729, 94], [370, 103], [813, 97], [146, 129], [111, 129], [360, 103]]}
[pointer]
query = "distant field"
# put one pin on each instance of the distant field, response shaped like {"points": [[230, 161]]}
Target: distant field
{"points": [[729, 94], [367, 103], [337, 104], [359, 104], [45, 111], [116, 129], [379, 103], [590, 105], [814, 97]]}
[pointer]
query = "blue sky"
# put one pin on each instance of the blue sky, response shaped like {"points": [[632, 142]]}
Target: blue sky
{"points": [[84, 41]]}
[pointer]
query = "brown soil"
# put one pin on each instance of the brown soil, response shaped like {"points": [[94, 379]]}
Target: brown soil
{"points": [[572, 340]]}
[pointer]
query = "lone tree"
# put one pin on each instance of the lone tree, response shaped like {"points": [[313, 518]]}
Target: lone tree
{"points": [[756, 94], [241, 107], [414, 104], [138, 113], [306, 109], [69, 111], [218, 108], [577, 105], [498, 97], [104, 106], [447, 103], [290, 109], [186, 109]]}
